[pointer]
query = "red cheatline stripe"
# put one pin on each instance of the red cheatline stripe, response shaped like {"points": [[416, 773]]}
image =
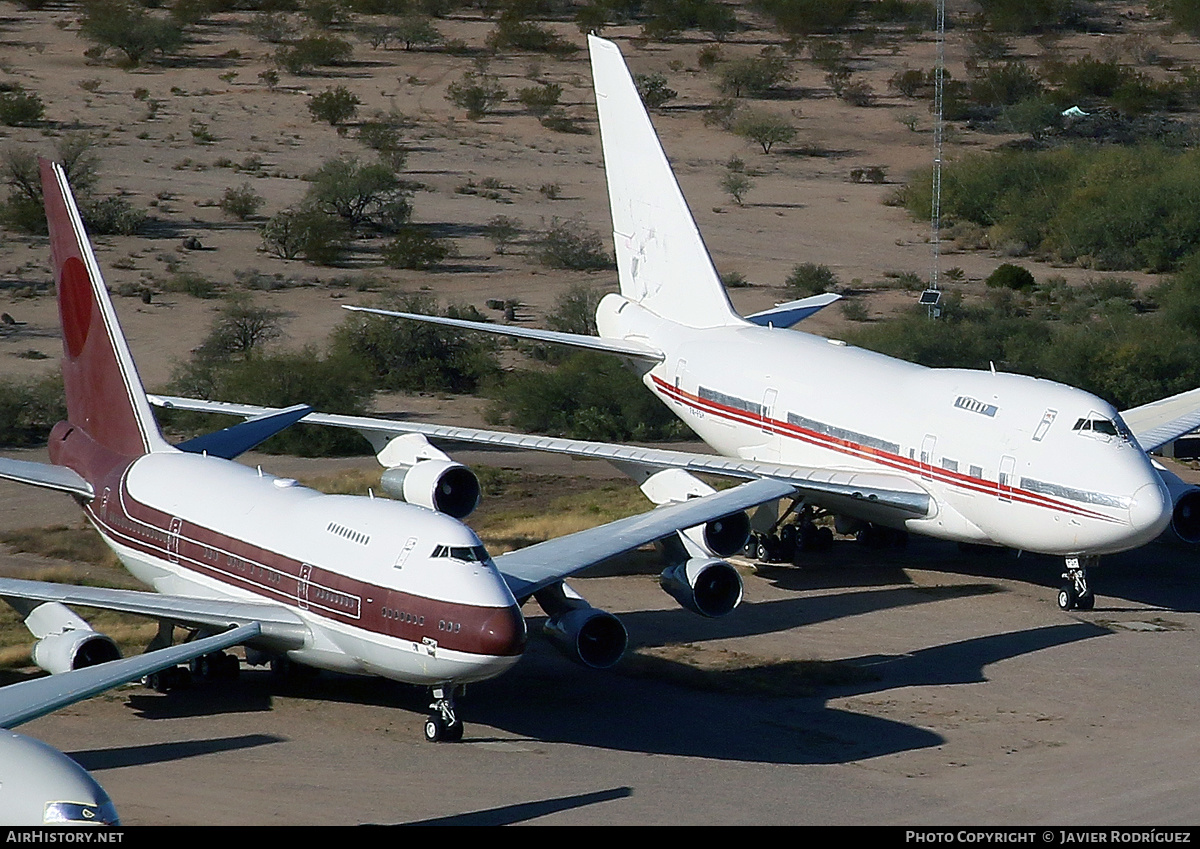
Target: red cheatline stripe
{"points": [[875, 455]]}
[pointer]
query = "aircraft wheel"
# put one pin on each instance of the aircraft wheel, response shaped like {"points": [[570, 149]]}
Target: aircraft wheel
{"points": [[824, 538], [434, 729], [1086, 602], [230, 666], [1067, 599], [762, 554]]}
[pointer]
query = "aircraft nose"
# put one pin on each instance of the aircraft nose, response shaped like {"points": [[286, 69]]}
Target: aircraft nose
{"points": [[502, 634], [1150, 510]]}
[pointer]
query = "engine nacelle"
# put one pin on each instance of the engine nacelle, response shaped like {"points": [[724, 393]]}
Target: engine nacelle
{"points": [[704, 585], [441, 485], [1185, 515], [594, 638], [586, 635], [722, 537], [74, 650], [65, 641]]}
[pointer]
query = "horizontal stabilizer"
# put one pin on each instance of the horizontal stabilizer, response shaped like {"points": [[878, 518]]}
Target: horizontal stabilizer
{"points": [[46, 476], [28, 700], [793, 312], [578, 340], [240, 438]]}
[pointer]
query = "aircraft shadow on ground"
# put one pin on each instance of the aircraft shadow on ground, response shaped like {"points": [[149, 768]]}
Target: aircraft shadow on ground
{"points": [[525, 811], [775, 712], [543, 700], [1164, 574], [125, 756]]}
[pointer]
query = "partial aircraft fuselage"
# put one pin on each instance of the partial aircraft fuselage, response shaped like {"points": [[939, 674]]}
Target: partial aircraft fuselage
{"points": [[385, 588], [1007, 460]]}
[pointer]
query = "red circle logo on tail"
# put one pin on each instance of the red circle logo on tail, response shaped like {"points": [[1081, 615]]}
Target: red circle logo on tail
{"points": [[75, 304]]}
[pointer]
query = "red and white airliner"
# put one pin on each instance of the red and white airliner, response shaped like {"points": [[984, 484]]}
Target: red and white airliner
{"points": [[347, 583], [885, 445]]}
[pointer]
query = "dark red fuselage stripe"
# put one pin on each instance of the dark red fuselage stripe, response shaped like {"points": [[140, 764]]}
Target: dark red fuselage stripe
{"points": [[277, 578]]}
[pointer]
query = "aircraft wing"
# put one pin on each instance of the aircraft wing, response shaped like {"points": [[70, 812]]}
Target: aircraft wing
{"points": [[30, 699], [851, 491], [45, 475], [276, 622], [620, 347], [1159, 422], [528, 570]]}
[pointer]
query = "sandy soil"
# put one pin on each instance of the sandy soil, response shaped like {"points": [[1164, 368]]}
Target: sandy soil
{"points": [[803, 207]]}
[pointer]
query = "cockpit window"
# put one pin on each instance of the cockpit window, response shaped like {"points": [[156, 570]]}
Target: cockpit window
{"points": [[471, 554], [1100, 426]]}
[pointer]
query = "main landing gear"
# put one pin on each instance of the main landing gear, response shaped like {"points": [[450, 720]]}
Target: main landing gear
{"points": [[785, 543], [217, 666], [443, 724], [1076, 593]]}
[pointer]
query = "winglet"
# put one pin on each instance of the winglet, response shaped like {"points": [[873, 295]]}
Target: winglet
{"points": [[105, 396]]}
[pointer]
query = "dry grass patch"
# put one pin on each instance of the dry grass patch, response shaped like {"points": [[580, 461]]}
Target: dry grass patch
{"points": [[347, 482], [77, 544], [725, 671]]}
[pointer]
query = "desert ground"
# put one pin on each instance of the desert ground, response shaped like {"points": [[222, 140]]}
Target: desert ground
{"points": [[914, 687]]}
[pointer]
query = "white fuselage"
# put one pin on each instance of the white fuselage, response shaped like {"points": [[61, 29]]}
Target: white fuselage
{"points": [[999, 454], [360, 572]]}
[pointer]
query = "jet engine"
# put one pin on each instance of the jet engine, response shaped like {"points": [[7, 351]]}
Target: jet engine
{"points": [[1185, 516], [591, 637], [419, 473], [65, 641], [441, 485], [722, 537], [704, 585]]}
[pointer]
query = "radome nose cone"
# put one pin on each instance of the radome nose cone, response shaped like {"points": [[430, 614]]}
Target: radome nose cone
{"points": [[1150, 510], [502, 634]]}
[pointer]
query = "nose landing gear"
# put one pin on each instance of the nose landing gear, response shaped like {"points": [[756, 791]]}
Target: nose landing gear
{"points": [[1076, 593], [443, 724]]}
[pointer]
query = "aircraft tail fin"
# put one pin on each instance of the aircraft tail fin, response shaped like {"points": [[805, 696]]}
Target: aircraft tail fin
{"points": [[662, 261], [105, 396]]}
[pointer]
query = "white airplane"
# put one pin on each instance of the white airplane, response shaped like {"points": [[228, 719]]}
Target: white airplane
{"points": [[973, 456], [353, 584]]}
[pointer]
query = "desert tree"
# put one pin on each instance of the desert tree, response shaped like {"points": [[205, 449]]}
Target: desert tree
{"points": [[502, 231], [654, 90], [240, 328], [334, 106], [360, 194], [477, 93], [242, 202], [765, 129], [754, 75], [129, 28]]}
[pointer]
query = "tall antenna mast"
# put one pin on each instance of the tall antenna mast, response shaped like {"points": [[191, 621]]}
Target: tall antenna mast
{"points": [[932, 296]]}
